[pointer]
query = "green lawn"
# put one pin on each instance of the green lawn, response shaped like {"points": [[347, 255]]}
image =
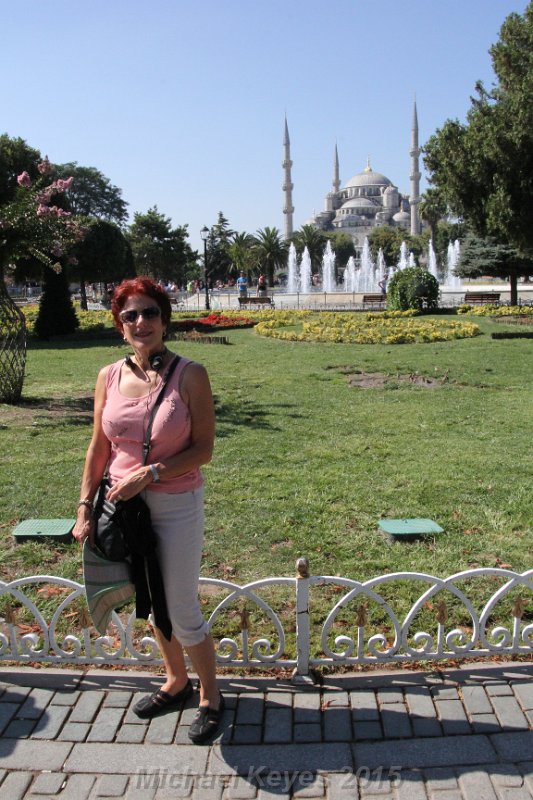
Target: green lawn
{"points": [[304, 463]]}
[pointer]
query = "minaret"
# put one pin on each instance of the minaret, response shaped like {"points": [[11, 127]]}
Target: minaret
{"points": [[288, 208], [336, 179], [415, 176]]}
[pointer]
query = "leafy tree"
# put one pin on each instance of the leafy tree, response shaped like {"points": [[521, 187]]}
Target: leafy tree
{"points": [[16, 157], [103, 256], [447, 232], [219, 244], [413, 287], [343, 246], [271, 251], [387, 239], [92, 194], [488, 257], [484, 169], [160, 250], [315, 241]]}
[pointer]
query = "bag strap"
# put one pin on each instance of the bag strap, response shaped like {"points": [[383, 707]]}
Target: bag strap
{"points": [[146, 444]]}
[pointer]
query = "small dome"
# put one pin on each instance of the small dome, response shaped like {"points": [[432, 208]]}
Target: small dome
{"points": [[402, 217], [390, 190], [359, 202], [348, 218]]}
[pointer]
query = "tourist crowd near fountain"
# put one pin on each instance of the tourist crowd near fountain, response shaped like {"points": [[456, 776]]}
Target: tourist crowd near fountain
{"points": [[367, 275]]}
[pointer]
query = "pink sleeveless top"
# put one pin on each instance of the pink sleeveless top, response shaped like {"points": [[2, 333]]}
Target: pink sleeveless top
{"points": [[124, 422]]}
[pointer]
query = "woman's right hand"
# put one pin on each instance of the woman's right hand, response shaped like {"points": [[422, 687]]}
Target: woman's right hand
{"points": [[84, 527]]}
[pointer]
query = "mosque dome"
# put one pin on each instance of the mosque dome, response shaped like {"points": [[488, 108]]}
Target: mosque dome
{"points": [[402, 218], [368, 178]]}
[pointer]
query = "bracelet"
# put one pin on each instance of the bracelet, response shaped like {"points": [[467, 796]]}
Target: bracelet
{"points": [[155, 473], [87, 503]]}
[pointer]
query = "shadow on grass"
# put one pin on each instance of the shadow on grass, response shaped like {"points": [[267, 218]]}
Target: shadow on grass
{"points": [[81, 340], [235, 414], [58, 412]]}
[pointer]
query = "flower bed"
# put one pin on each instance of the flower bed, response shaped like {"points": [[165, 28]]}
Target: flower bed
{"points": [[212, 322], [89, 321], [396, 327], [490, 310]]}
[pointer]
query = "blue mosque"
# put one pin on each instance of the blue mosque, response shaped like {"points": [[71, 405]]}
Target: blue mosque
{"points": [[366, 200]]}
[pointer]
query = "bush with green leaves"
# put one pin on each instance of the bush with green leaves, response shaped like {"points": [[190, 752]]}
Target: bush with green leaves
{"points": [[413, 287]]}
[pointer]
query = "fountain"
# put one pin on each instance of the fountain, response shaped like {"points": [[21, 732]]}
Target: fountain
{"points": [[305, 272], [292, 276], [366, 277], [328, 269], [403, 263], [350, 275], [382, 266], [432, 261], [452, 259]]}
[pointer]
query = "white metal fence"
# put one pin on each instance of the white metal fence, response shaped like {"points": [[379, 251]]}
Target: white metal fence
{"points": [[301, 622]]}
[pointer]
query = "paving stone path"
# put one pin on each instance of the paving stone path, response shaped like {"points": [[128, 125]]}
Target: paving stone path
{"points": [[458, 735]]}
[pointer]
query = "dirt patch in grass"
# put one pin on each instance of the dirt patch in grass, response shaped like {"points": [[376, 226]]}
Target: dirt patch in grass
{"points": [[525, 319], [377, 380]]}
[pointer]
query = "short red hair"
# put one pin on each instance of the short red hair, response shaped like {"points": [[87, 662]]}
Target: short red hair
{"points": [[140, 285]]}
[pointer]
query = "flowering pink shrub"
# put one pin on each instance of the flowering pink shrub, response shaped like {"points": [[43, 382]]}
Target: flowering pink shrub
{"points": [[33, 225], [24, 179]]}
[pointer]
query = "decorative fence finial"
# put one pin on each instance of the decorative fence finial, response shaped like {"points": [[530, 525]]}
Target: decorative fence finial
{"points": [[245, 619], [442, 612], [302, 567], [519, 607], [362, 618]]}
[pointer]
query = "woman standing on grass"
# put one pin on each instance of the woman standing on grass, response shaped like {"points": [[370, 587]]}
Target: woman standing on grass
{"points": [[171, 484]]}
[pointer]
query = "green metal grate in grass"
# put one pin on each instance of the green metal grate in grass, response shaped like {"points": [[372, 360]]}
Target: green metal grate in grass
{"points": [[57, 529]]}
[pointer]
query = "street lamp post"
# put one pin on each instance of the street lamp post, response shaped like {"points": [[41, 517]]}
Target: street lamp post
{"points": [[204, 233]]}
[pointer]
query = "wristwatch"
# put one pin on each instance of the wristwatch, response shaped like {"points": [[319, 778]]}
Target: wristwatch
{"points": [[155, 473]]}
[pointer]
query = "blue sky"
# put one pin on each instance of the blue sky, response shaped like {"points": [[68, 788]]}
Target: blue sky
{"points": [[181, 103]]}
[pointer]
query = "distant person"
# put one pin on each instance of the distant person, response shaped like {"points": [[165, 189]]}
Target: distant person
{"points": [[242, 285], [383, 286], [262, 286]]}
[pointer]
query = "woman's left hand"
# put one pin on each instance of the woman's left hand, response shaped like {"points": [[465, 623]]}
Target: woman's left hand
{"points": [[131, 485]]}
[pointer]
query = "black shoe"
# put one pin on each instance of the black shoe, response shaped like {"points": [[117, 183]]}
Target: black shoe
{"points": [[159, 701], [206, 722]]}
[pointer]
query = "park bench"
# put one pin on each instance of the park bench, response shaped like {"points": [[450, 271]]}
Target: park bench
{"points": [[374, 300], [480, 298], [245, 302]]}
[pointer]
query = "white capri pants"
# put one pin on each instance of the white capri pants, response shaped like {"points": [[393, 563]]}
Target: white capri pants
{"points": [[178, 523]]}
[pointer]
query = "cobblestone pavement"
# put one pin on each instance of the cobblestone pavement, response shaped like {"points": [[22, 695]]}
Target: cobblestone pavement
{"points": [[458, 735]]}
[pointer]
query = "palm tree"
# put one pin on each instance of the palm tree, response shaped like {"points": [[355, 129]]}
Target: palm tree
{"points": [[432, 209], [242, 253], [271, 251], [315, 241]]}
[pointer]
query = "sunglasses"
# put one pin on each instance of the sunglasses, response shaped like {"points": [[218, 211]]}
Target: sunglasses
{"points": [[130, 315]]}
